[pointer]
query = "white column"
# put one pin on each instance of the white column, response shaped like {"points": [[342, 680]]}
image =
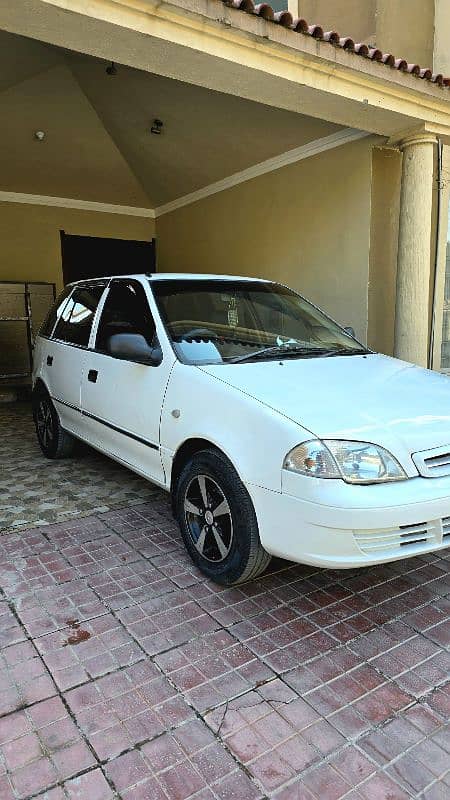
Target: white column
{"points": [[414, 249]]}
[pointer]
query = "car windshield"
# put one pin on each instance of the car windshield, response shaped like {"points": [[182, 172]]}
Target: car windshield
{"points": [[215, 321]]}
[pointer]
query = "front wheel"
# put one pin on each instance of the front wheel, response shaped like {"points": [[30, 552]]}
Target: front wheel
{"points": [[217, 520]]}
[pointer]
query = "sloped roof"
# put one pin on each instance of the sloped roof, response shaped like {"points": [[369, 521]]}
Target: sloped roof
{"points": [[335, 39]]}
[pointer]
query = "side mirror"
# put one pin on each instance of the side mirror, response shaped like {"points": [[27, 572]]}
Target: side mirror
{"points": [[134, 347], [351, 331]]}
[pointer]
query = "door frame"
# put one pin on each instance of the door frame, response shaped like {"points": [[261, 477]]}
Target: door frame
{"points": [[65, 239]]}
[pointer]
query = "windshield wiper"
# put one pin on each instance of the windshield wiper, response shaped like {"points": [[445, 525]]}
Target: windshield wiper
{"points": [[300, 351], [346, 351], [279, 352]]}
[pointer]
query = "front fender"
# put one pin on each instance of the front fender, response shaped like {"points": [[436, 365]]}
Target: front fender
{"points": [[254, 437]]}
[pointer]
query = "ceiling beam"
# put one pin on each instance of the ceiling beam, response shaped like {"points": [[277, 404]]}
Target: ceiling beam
{"points": [[70, 202], [282, 160]]}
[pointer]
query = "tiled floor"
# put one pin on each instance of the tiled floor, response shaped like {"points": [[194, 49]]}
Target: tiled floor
{"points": [[125, 674], [35, 491]]}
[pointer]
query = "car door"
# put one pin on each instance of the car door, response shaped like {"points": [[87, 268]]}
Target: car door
{"points": [[122, 400], [63, 355]]}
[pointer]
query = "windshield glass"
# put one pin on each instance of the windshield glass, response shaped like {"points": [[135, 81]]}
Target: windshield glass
{"points": [[214, 322]]}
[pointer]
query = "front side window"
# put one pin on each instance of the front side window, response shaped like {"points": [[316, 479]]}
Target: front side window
{"points": [[75, 323], [215, 322], [125, 310], [55, 312]]}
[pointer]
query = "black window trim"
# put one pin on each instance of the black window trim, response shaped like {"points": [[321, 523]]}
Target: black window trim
{"points": [[52, 336]]}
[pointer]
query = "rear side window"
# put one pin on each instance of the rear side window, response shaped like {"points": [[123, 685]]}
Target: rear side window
{"points": [[55, 312], [75, 323]]}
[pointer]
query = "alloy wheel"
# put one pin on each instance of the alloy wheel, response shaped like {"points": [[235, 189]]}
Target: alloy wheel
{"points": [[208, 518], [44, 423]]}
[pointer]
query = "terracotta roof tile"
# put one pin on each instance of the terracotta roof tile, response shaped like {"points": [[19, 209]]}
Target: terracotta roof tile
{"points": [[286, 20], [331, 36], [375, 54]]}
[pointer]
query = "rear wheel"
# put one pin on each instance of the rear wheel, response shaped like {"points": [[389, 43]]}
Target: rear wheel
{"points": [[217, 520], [53, 440]]}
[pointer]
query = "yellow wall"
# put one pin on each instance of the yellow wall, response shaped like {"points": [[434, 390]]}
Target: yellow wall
{"points": [[310, 225], [355, 18], [30, 237], [406, 28], [386, 178], [307, 225], [442, 36]]}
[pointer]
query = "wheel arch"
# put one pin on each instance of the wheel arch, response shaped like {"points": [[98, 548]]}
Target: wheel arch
{"points": [[39, 385], [244, 548], [185, 451]]}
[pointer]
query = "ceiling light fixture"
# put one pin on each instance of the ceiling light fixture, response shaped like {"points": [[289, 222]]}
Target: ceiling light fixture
{"points": [[157, 127], [39, 135], [112, 69]]}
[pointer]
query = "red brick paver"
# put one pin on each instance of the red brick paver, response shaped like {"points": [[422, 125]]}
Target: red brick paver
{"points": [[125, 675]]}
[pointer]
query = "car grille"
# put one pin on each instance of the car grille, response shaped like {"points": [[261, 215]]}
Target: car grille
{"points": [[433, 463], [404, 539], [446, 529]]}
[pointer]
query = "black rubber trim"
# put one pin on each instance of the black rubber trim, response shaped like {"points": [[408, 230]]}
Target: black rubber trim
{"points": [[108, 424], [68, 405]]}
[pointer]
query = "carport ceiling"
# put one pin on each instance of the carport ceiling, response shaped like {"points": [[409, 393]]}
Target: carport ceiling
{"points": [[98, 144]]}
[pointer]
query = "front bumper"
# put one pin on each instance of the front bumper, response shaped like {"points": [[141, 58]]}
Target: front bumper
{"points": [[341, 526]]}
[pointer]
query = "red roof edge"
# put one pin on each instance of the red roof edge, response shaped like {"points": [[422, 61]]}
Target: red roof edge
{"points": [[285, 19]]}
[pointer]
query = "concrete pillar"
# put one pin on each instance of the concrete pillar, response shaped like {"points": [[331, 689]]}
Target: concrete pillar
{"points": [[414, 249], [442, 247]]}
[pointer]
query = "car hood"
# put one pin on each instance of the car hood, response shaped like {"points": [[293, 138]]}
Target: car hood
{"points": [[370, 398]]}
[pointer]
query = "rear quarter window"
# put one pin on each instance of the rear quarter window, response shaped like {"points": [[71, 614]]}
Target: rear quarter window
{"points": [[55, 312], [75, 323]]}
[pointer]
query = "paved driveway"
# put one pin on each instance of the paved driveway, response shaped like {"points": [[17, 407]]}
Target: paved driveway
{"points": [[35, 491], [124, 674]]}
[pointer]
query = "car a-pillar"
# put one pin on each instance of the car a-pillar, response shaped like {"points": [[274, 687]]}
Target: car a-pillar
{"points": [[415, 243]]}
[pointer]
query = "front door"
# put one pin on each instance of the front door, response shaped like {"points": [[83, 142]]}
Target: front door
{"points": [[122, 400]]}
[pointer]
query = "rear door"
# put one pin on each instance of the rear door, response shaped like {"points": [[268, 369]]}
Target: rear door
{"points": [[122, 400], [64, 355]]}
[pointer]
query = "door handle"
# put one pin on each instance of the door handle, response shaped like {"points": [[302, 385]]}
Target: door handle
{"points": [[92, 375], [49, 361]]}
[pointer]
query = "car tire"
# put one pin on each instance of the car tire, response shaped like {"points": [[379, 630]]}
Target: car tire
{"points": [[53, 440], [225, 546]]}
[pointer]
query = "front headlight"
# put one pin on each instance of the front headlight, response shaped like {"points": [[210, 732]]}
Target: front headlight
{"points": [[354, 462]]}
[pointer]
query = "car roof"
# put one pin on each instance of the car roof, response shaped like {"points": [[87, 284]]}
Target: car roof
{"points": [[185, 276]]}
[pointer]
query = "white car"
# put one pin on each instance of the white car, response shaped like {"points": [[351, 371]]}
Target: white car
{"points": [[276, 432]]}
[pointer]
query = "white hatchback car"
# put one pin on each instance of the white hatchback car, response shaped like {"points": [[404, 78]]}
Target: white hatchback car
{"points": [[275, 431]]}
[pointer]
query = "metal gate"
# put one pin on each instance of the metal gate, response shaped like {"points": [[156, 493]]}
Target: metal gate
{"points": [[23, 308]]}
